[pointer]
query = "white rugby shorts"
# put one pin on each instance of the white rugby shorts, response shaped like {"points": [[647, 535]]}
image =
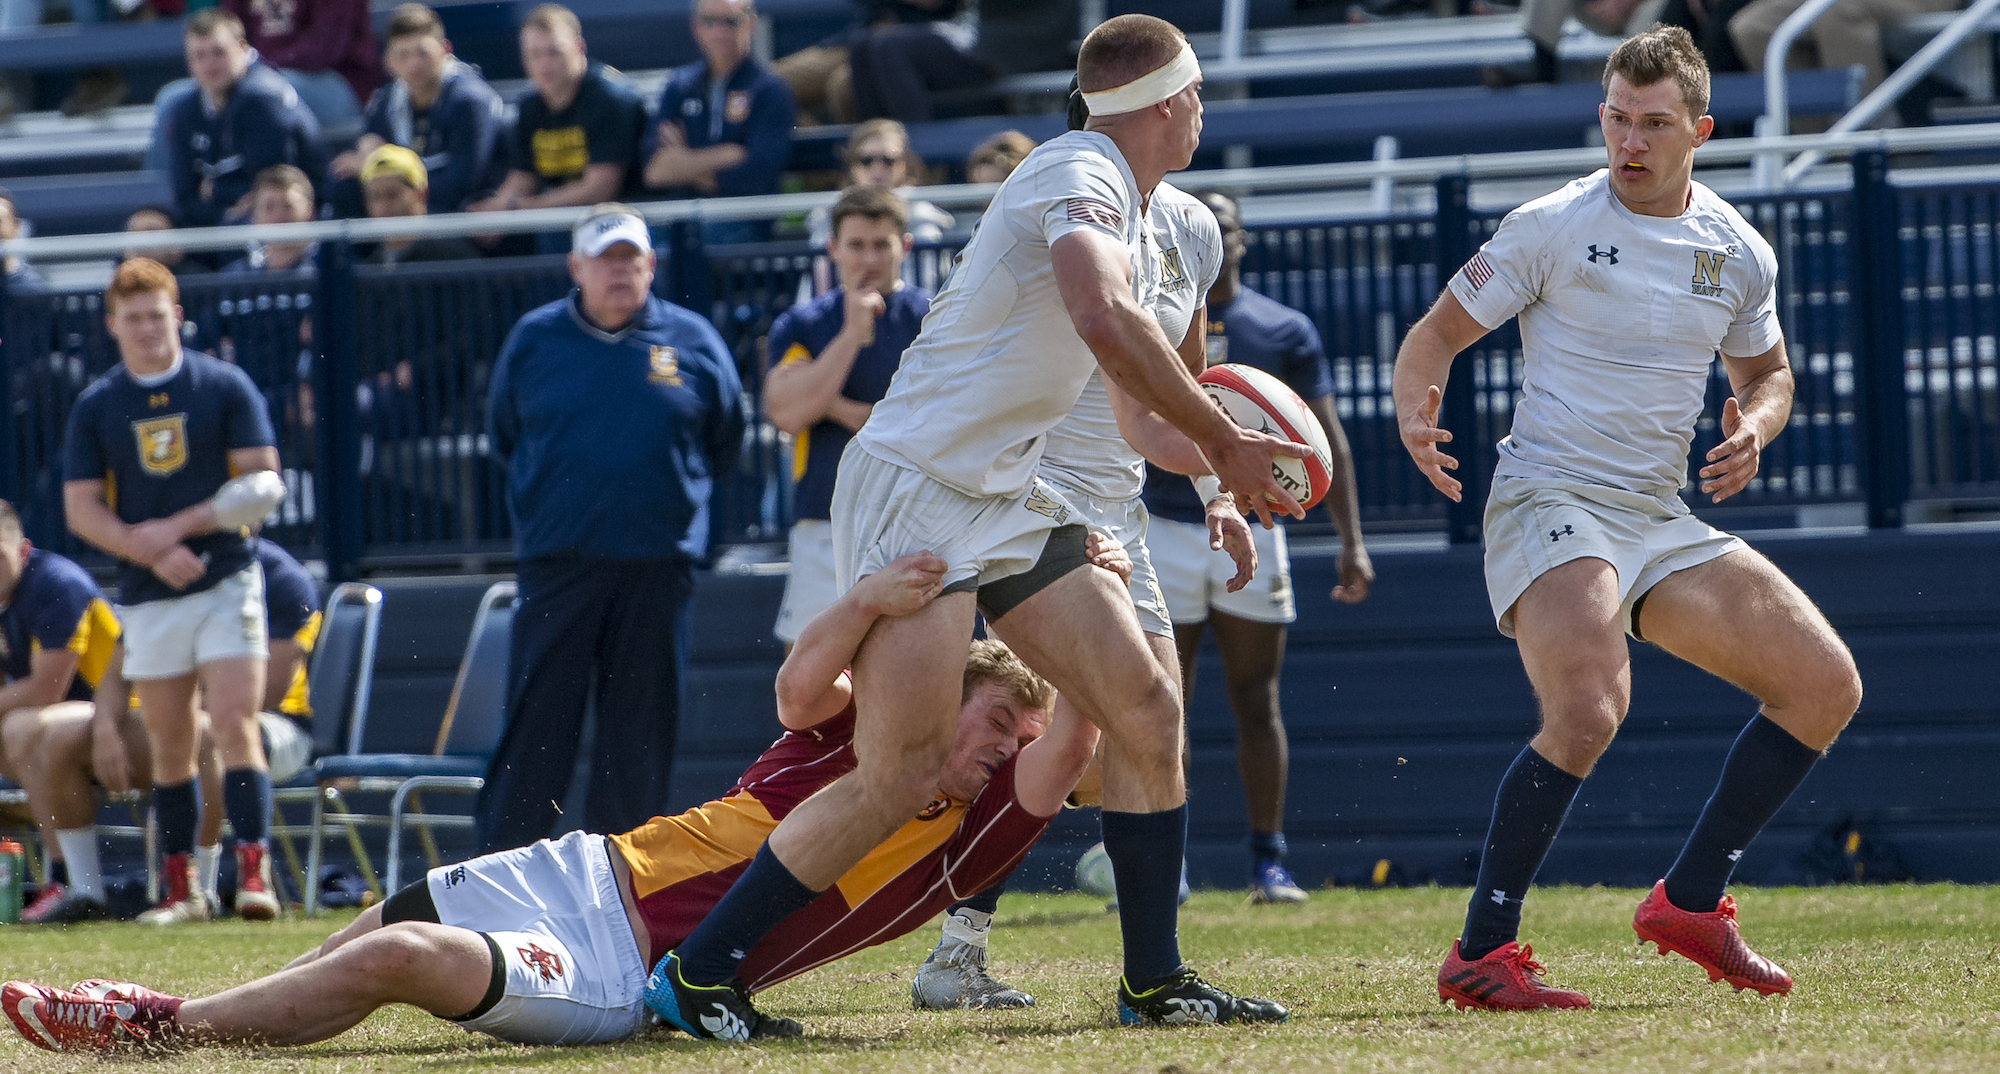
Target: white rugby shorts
{"points": [[1534, 525], [1196, 577], [1128, 522], [165, 639], [574, 971], [809, 590], [882, 511]]}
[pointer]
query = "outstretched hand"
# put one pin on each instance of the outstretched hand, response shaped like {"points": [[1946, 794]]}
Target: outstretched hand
{"points": [[1421, 437], [1733, 462], [903, 585]]}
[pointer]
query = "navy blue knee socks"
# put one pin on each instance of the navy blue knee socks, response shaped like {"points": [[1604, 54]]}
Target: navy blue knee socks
{"points": [[246, 801], [1534, 798], [1764, 767], [1146, 850], [765, 895], [177, 811]]}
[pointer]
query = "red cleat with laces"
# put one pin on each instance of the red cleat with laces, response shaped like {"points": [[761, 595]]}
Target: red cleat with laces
{"points": [[1507, 979], [94, 1016], [1710, 941]]}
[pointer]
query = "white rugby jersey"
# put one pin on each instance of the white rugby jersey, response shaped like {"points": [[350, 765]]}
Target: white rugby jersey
{"points": [[998, 362], [1621, 315], [1182, 254]]}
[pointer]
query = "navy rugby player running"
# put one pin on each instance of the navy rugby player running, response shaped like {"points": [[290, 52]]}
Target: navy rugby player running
{"points": [[169, 458]]}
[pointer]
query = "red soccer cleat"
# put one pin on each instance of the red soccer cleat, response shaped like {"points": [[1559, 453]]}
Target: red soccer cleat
{"points": [[1507, 979], [93, 1016], [1710, 941]]}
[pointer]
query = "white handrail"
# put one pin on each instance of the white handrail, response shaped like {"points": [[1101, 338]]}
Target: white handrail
{"points": [[1777, 95], [1360, 173], [1235, 26], [1934, 51]]}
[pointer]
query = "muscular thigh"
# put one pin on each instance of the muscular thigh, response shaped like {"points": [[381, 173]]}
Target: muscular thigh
{"points": [[1739, 618], [1572, 637], [1082, 635], [907, 677]]}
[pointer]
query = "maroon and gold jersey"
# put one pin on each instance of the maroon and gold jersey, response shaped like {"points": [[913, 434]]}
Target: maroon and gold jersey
{"points": [[681, 866]]}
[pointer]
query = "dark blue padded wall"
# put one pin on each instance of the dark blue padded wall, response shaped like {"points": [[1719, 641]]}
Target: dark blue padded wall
{"points": [[1404, 711]]}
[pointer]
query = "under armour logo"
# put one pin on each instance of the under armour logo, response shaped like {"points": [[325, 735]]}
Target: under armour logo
{"points": [[724, 1025], [1499, 897], [1735, 855], [1557, 535], [455, 877], [1190, 1010], [1610, 256]]}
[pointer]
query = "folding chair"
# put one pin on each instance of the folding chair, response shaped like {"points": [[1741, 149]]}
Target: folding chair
{"points": [[340, 678], [467, 737]]}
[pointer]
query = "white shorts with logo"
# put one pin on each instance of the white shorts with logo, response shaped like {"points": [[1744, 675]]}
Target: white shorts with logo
{"points": [[882, 511], [1534, 525], [166, 639], [1128, 522], [809, 590], [574, 971], [1196, 577]]}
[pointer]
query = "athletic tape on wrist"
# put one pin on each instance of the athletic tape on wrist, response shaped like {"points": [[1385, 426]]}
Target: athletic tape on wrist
{"points": [[1148, 89], [1207, 487]]}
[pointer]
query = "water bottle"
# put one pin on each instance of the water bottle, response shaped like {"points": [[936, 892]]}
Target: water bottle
{"points": [[13, 863]]}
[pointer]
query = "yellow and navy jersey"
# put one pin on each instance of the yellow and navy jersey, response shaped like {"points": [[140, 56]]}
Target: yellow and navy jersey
{"points": [[799, 335], [56, 605], [162, 448], [682, 865], [291, 607]]}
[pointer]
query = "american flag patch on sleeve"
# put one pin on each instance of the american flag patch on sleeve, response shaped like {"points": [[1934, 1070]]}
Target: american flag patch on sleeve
{"points": [[1088, 211], [1478, 271]]}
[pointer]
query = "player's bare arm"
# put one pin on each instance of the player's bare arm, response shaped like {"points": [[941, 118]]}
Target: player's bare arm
{"points": [[799, 393], [813, 684], [1051, 765], [285, 659], [1343, 508], [111, 706], [1094, 277], [49, 674], [1423, 365], [1751, 418]]}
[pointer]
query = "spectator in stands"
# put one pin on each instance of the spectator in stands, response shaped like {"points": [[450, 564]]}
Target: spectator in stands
{"points": [[438, 106], [914, 48], [394, 181], [616, 414], [154, 218], [1848, 33], [994, 159], [725, 123], [324, 48], [878, 155], [282, 195], [1707, 21], [577, 137], [20, 274], [242, 118], [835, 357]]}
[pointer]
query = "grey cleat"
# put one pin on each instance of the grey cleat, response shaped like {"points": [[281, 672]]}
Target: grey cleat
{"points": [[954, 978]]}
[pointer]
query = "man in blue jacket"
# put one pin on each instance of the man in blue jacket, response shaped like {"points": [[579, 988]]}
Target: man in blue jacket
{"points": [[615, 412], [725, 123], [242, 118], [438, 107]]}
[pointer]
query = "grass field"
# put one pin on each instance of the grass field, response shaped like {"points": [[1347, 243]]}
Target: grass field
{"points": [[1902, 978]]}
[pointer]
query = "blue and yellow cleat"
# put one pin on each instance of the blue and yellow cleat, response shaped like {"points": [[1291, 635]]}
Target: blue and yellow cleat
{"points": [[1183, 998], [710, 1012]]}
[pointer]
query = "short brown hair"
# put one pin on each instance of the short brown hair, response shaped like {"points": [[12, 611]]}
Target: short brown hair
{"points": [[1125, 48], [549, 18], [871, 203], [991, 661], [1004, 151], [877, 128], [1660, 53], [284, 177], [412, 20], [210, 19], [141, 276]]}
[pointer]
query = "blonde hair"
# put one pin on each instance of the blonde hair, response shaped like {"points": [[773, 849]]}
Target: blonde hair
{"points": [[1660, 53], [991, 661]]}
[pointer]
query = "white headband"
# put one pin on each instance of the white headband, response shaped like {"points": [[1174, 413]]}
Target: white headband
{"points": [[1148, 89]]}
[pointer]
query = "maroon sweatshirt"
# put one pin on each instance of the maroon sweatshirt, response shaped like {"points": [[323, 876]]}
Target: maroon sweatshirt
{"points": [[314, 36]]}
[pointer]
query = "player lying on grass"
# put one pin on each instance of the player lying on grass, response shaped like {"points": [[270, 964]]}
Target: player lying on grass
{"points": [[550, 944]]}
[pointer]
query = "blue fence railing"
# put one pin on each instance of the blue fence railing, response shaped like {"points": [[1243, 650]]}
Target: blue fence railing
{"points": [[376, 377]]}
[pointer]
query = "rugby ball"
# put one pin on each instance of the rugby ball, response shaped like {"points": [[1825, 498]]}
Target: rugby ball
{"points": [[1093, 873], [1257, 400]]}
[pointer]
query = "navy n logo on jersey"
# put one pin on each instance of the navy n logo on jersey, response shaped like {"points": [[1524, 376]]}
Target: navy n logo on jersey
{"points": [[162, 444], [1707, 272], [1172, 278]]}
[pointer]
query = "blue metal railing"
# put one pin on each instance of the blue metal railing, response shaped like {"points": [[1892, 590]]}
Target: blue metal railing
{"points": [[376, 377]]}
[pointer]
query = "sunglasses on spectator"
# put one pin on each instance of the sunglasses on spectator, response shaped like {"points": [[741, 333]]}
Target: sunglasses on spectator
{"points": [[881, 161], [721, 22]]}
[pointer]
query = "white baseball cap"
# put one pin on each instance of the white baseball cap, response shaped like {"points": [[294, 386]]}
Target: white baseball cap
{"points": [[594, 236]]}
